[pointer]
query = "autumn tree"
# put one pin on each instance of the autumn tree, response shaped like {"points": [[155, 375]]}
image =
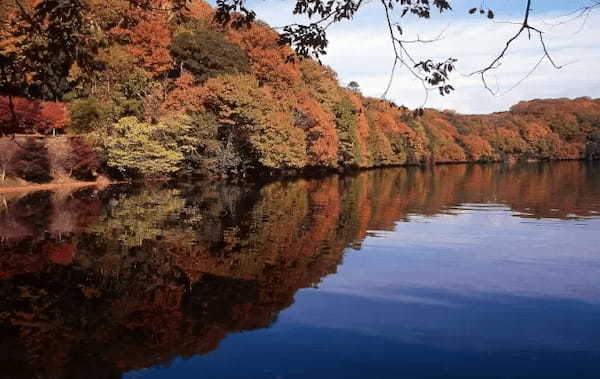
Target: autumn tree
{"points": [[477, 148], [166, 87], [41, 27], [320, 129], [271, 61], [592, 149], [32, 116], [149, 44], [186, 96], [71, 157], [213, 155], [134, 146], [89, 114], [54, 116], [259, 126]]}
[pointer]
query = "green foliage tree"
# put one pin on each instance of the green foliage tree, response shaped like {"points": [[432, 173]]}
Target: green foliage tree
{"points": [[89, 114], [348, 149], [206, 53], [137, 147]]}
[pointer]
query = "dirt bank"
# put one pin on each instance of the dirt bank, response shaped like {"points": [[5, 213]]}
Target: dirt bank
{"points": [[29, 187]]}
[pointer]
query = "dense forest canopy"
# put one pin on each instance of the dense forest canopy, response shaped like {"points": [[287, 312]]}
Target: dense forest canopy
{"points": [[161, 87]]}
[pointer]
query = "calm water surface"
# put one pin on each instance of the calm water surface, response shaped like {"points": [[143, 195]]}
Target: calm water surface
{"points": [[460, 271]]}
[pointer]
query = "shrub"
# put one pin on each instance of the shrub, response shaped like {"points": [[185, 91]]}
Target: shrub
{"points": [[32, 162]]}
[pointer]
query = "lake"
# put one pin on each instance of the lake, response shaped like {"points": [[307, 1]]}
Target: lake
{"points": [[481, 271]]}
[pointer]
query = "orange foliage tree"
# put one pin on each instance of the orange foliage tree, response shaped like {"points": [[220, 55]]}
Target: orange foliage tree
{"points": [[270, 60], [149, 44], [319, 126]]}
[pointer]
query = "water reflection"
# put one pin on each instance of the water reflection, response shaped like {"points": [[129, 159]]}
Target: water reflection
{"points": [[106, 282]]}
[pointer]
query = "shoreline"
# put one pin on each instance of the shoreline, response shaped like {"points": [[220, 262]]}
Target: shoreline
{"points": [[269, 176], [52, 186]]}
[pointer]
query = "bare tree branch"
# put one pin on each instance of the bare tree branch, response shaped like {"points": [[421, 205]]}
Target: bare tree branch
{"points": [[524, 28]]}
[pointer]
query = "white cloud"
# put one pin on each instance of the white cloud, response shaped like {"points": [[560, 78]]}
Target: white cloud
{"points": [[364, 55], [360, 50]]}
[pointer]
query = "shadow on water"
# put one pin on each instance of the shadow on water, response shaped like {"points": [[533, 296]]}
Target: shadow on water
{"points": [[106, 282]]}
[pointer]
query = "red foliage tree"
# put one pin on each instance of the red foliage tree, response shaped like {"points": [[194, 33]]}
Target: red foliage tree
{"points": [[86, 160], [55, 116], [32, 116]]}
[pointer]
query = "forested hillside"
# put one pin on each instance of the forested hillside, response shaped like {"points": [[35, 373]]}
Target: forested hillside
{"points": [[155, 90]]}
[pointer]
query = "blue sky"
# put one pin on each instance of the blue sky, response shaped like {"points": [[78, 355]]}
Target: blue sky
{"points": [[360, 50]]}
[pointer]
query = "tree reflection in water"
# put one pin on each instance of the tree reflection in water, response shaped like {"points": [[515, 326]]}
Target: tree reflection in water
{"points": [[105, 282]]}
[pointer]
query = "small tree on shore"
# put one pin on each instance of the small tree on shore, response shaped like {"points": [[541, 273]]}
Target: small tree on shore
{"points": [[86, 161], [9, 151], [32, 162], [61, 157]]}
